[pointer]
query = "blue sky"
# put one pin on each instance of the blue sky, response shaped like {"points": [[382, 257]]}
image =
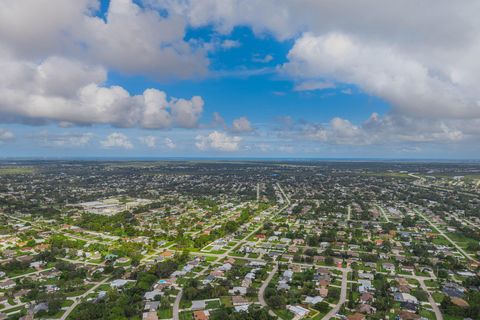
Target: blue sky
{"points": [[233, 78]]}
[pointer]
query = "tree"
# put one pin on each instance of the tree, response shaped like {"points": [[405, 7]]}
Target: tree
{"points": [[276, 301], [164, 303], [329, 261], [323, 307]]}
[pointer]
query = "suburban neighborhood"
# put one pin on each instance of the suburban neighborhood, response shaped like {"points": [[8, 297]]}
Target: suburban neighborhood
{"points": [[251, 240]]}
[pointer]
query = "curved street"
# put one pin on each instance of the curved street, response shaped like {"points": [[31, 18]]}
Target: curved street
{"points": [[343, 297], [261, 292]]}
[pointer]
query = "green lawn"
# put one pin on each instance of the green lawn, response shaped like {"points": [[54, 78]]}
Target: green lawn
{"points": [[16, 170], [431, 283], [438, 296], [67, 303], [441, 241], [218, 252], [427, 314], [13, 309], [20, 272], [284, 314], [450, 317], [186, 315], [165, 313], [461, 240], [78, 292], [318, 315], [184, 304], [210, 259], [57, 315], [226, 301], [237, 254], [215, 304], [104, 287]]}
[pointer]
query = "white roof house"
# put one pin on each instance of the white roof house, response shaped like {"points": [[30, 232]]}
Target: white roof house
{"points": [[288, 274], [198, 305], [238, 290], [298, 311], [118, 283], [225, 267], [405, 297], [150, 295], [313, 300]]}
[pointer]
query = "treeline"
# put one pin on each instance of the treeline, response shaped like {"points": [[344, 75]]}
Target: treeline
{"points": [[120, 224], [472, 311]]}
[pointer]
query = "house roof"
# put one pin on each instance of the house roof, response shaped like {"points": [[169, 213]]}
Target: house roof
{"points": [[406, 315], [356, 316], [200, 315], [460, 302]]}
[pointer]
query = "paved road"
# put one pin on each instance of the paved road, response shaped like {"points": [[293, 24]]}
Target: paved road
{"points": [[261, 292], [343, 297], [283, 193], [466, 221], [176, 305], [102, 264], [475, 195], [446, 237], [69, 235], [432, 302], [79, 299], [384, 214], [26, 274]]}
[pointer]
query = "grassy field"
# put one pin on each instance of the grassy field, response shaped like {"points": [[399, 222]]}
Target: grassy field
{"points": [[226, 301], [450, 317], [186, 315], [427, 314], [215, 304], [284, 314], [16, 170], [67, 303], [165, 313], [461, 240], [438, 297]]}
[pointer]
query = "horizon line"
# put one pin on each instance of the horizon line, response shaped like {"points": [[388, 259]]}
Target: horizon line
{"points": [[227, 159]]}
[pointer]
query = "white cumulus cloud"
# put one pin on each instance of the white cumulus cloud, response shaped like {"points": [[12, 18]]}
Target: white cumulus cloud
{"points": [[242, 124], [149, 141], [381, 70], [169, 143], [383, 130], [117, 140], [229, 44], [421, 65], [6, 135], [314, 85], [62, 140], [129, 39], [219, 141], [68, 91]]}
